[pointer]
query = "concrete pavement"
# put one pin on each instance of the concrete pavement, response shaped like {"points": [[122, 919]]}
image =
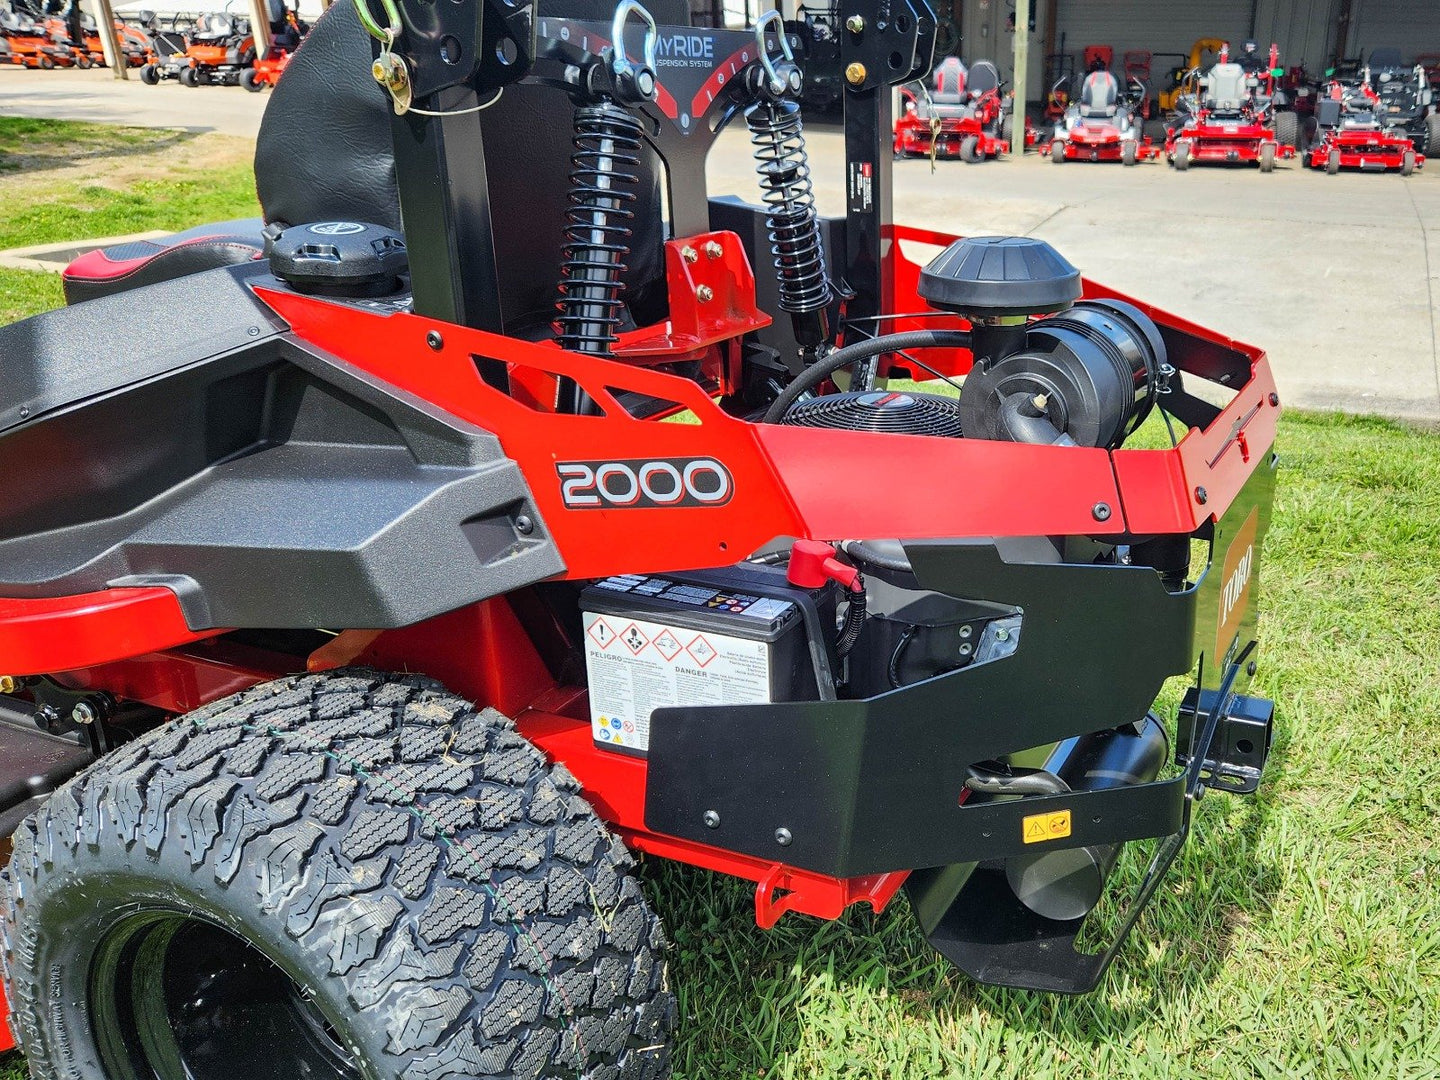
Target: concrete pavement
{"points": [[1338, 278]]}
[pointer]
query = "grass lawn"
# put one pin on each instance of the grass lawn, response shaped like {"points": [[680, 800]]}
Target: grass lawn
{"points": [[1299, 934]]}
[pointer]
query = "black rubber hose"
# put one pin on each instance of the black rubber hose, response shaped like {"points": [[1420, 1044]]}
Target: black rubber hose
{"points": [[862, 552], [823, 368], [854, 622]]}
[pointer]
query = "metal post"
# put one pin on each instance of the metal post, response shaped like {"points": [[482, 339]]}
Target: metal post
{"points": [[1021, 80], [260, 27], [109, 39]]}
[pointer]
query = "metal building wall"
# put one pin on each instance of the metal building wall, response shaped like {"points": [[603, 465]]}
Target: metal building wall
{"points": [[1412, 26]]}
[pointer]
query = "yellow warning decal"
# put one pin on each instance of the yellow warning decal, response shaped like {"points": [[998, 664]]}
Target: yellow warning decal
{"points": [[1040, 827]]}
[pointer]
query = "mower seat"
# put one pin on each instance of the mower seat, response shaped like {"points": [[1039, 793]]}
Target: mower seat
{"points": [[1387, 57], [1226, 88], [106, 271], [325, 153], [948, 98], [1099, 96]]}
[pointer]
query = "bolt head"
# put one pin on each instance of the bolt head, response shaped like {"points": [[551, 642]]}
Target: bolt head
{"points": [[9, 684], [646, 82], [1274, 398], [1250, 669], [1202, 496], [855, 24], [689, 254], [83, 713], [855, 73], [435, 340], [1100, 511], [783, 837], [524, 525], [714, 250], [377, 72], [704, 294], [712, 819]]}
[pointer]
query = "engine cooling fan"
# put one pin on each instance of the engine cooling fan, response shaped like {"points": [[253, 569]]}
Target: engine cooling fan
{"points": [[893, 412]]}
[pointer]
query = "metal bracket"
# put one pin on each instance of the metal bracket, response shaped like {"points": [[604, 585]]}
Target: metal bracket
{"points": [[1243, 730]]}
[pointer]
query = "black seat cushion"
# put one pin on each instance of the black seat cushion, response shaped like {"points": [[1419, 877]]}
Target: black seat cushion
{"points": [[324, 152], [106, 271]]}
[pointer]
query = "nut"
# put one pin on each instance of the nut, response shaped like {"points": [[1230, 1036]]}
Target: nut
{"points": [[714, 250], [855, 24], [689, 254], [9, 684], [704, 294], [712, 819], [855, 73], [83, 713]]}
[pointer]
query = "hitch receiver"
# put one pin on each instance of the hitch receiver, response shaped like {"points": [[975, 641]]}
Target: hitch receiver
{"points": [[1236, 755]]}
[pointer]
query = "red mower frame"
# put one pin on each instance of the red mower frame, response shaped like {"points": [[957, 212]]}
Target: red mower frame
{"points": [[1245, 138]]}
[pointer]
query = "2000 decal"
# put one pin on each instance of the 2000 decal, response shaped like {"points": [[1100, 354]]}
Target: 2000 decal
{"points": [[666, 482]]}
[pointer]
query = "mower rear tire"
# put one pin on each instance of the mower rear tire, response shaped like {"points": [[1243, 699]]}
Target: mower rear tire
{"points": [[1287, 129], [82, 61], [1007, 132], [1057, 152], [970, 150], [189, 77], [1182, 155], [1266, 158], [333, 875], [1432, 135], [1407, 163], [1129, 152], [1332, 163], [150, 75], [250, 81], [47, 63]]}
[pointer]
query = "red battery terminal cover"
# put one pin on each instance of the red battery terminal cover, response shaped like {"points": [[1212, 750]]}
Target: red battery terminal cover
{"points": [[813, 563]]}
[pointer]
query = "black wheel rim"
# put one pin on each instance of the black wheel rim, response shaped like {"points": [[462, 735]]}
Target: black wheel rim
{"points": [[177, 997]]}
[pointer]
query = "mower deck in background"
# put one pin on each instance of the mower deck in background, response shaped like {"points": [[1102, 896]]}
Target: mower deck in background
{"points": [[357, 629], [1103, 125], [1351, 134], [961, 114], [1228, 117]]}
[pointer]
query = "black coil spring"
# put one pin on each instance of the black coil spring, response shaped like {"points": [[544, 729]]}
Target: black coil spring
{"points": [[597, 233], [784, 168]]}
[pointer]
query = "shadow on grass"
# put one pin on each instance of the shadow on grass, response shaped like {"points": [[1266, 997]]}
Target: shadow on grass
{"points": [[33, 146], [744, 992]]}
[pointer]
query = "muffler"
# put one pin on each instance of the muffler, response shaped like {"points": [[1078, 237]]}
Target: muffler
{"points": [[1068, 883]]}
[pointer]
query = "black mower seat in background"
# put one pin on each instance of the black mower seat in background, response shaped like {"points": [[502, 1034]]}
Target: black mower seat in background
{"points": [[1099, 96], [144, 262], [325, 153]]}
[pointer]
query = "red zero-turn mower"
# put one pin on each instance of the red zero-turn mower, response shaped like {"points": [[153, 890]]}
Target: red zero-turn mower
{"points": [[961, 114], [1229, 118], [1103, 126], [356, 634], [1351, 134]]}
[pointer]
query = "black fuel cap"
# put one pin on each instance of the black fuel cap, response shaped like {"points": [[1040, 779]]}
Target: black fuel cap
{"points": [[339, 258], [998, 276]]}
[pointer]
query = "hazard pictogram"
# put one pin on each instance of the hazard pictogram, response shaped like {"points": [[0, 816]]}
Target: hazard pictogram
{"points": [[1040, 827], [602, 633], [701, 650], [667, 644], [634, 640]]}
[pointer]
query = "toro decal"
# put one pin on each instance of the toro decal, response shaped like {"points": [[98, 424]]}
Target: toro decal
{"points": [[1237, 575], [661, 483]]}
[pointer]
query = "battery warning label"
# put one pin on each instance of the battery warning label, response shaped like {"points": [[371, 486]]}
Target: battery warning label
{"points": [[635, 667]]}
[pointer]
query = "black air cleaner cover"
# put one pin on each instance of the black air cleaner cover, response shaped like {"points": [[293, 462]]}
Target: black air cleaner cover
{"points": [[991, 276]]}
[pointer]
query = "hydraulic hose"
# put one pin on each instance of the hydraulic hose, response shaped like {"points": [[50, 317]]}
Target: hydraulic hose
{"points": [[823, 368]]}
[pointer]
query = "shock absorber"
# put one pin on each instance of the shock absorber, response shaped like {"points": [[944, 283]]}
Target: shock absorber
{"points": [[604, 166], [784, 167]]}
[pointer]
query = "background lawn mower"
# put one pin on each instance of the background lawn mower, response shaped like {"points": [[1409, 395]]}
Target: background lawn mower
{"points": [[1103, 125], [1405, 100], [166, 59], [219, 49], [960, 114], [1351, 134], [355, 633], [1229, 117]]}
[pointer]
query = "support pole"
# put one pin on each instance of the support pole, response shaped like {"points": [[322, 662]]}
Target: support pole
{"points": [[260, 27], [1022, 76], [109, 39]]}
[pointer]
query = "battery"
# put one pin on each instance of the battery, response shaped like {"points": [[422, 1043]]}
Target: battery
{"points": [[732, 636]]}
